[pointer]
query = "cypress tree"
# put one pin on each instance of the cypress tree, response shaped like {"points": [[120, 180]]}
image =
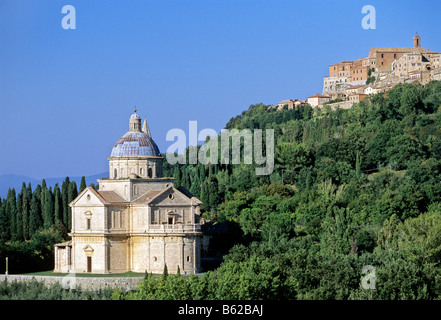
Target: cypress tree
{"points": [[58, 206], [35, 219], [11, 211], [82, 184], [42, 193], [64, 199], [29, 191], [165, 272], [19, 215], [213, 193], [72, 193], [27, 196], [205, 196], [195, 188], [202, 174], [210, 171], [177, 176], [4, 222], [48, 211], [358, 164], [185, 179]]}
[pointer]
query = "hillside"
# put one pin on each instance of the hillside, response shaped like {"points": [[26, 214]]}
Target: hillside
{"points": [[353, 191], [360, 188]]}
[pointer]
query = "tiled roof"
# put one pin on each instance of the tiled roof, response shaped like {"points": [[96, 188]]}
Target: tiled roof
{"points": [[402, 50], [319, 96], [149, 196], [64, 244], [135, 144], [111, 196]]}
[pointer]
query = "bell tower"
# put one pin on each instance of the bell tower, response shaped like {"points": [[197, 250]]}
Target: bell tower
{"points": [[416, 41]]}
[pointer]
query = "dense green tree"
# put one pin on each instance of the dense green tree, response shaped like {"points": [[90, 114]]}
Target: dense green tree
{"points": [[58, 205], [377, 146], [403, 148], [64, 198], [82, 184], [4, 223], [410, 100], [420, 238], [35, 214], [213, 191], [48, 209], [11, 211], [195, 188], [177, 176], [19, 215], [72, 193]]}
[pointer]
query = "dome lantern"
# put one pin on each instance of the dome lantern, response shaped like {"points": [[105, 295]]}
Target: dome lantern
{"points": [[135, 122], [135, 154], [135, 142]]}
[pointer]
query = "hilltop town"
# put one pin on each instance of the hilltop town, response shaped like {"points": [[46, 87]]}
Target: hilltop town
{"points": [[351, 81]]}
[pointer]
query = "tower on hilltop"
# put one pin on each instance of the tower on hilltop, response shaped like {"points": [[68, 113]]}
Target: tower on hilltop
{"points": [[416, 41]]}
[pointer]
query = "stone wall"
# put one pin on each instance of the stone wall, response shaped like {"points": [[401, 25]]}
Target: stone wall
{"points": [[87, 283]]}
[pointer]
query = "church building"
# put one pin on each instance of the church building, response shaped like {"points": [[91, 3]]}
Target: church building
{"points": [[137, 220]]}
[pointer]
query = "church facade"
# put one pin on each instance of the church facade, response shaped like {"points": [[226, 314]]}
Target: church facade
{"points": [[137, 220]]}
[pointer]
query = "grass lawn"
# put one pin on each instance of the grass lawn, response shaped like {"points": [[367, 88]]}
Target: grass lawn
{"points": [[90, 275]]}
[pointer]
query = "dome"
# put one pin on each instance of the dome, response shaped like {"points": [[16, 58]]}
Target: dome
{"points": [[135, 116], [135, 144]]}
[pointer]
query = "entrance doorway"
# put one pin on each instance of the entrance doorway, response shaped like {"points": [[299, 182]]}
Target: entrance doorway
{"points": [[89, 264]]}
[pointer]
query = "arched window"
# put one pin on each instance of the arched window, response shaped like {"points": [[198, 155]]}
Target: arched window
{"points": [[150, 173], [115, 174]]}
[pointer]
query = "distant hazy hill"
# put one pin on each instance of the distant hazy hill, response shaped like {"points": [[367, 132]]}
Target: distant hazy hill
{"points": [[15, 181]]}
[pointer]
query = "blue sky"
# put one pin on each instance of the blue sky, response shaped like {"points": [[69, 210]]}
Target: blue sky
{"points": [[66, 95]]}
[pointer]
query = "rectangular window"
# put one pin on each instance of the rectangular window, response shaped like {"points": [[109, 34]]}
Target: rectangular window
{"points": [[153, 217], [88, 224], [69, 256], [116, 219]]}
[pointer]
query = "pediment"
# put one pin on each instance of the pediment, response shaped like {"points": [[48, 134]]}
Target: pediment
{"points": [[88, 248], [88, 197], [172, 197]]}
